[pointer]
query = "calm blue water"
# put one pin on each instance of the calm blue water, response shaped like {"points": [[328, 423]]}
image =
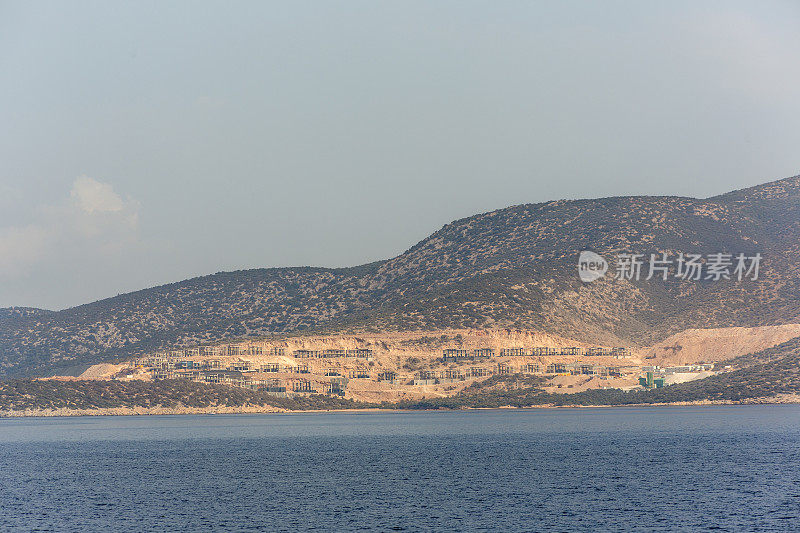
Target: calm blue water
{"points": [[668, 469]]}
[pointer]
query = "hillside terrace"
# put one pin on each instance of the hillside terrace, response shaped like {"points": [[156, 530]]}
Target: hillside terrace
{"points": [[284, 379], [383, 367]]}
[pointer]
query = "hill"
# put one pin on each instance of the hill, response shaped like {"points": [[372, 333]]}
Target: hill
{"points": [[21, 312], [770, 374], [515, 267], [74, 396]]}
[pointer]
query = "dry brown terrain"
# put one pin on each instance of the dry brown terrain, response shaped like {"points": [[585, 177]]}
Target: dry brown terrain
{"points": [[408, 353], [509, 268], [718, 344]]}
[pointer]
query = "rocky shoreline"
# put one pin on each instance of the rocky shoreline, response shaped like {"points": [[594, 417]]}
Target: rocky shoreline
{"points": [[137, 411], [781, 399]]}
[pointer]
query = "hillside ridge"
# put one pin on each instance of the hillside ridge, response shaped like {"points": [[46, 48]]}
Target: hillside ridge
{"points": [[512, 267]]}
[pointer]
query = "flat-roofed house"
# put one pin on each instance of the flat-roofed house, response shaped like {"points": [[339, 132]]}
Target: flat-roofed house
{"points": [[504, 369]]}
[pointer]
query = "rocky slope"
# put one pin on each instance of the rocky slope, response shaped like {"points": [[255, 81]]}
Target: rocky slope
{"points": [[514, 267], [715, 345], [21, 312]]}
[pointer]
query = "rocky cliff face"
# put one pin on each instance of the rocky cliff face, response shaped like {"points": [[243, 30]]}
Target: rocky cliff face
{"points": [[515, 267]]}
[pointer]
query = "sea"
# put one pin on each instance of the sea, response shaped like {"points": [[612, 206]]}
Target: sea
{"points": [[721, 468]]}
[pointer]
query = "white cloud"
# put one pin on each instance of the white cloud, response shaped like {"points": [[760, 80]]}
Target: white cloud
{"points": [[93, 224], [93, 196]]}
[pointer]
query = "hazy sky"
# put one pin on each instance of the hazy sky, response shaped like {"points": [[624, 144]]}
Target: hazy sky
{"points": [[143, 143]]}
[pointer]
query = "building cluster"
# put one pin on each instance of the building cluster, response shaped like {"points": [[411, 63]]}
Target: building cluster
{"points": [[654, 376], [291, 373], [177, 367], [698, 367], [651, 382], [246, 374], [225, 350], [362, 353], [543, 351], [457, 354], [431, 377], [232, 350], [274, 385]]}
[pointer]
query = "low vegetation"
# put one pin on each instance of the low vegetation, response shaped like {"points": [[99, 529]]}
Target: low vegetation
{"points": [[762, 380], [511, 268], [780, 375], [765, 356], [172, 393]]}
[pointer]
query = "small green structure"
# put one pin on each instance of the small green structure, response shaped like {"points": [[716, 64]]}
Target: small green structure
{"points": [[649, 382]]}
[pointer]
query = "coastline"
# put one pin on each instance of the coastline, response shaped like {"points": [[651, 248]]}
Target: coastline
{"points": [[781, 399]]}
